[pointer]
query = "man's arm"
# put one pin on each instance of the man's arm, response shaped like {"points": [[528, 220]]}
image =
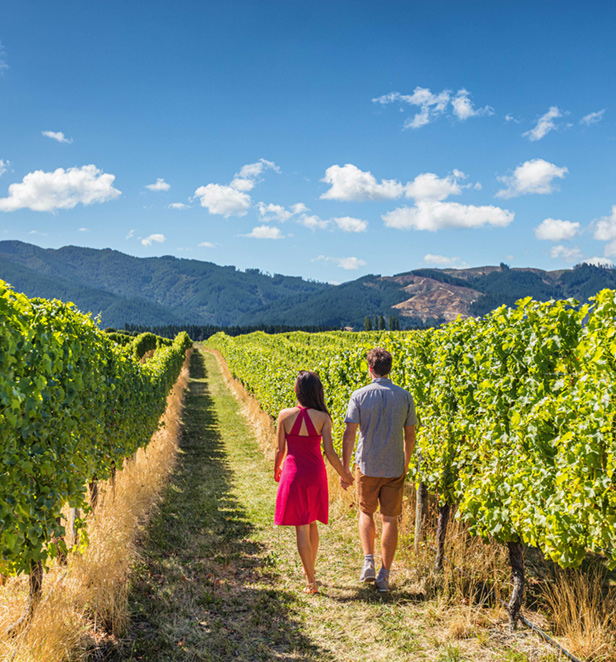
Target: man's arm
{"points": [[409, 445], [348, 443]]}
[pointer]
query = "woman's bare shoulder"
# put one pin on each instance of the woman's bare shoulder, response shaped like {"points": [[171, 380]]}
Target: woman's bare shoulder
{"points": [[319, 415], [286, 413]]}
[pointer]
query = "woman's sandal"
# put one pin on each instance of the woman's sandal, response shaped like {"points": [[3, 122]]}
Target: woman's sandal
{"points": [[311, 587]]}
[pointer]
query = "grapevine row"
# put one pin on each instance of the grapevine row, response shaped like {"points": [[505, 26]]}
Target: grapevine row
{"points": [[517, 412], [73, 404]]}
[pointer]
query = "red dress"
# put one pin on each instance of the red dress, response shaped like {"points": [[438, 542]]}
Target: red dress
{"points": [[302, 492]]}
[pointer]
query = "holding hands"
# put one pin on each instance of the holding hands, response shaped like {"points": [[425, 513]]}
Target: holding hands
{"points": [[346, 479]]}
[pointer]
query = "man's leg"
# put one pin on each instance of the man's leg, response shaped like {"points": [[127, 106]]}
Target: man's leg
{"points": [[389, 540], [390, 498], [367, 532], [367, 500]]}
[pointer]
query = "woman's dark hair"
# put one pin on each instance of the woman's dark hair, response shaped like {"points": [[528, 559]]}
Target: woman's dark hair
{"points": [[309, 391]]}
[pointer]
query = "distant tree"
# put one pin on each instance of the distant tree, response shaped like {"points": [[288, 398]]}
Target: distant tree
{"points": [[504, 267], [375, 324], [394, 323], [381, 323], [367, 323]]}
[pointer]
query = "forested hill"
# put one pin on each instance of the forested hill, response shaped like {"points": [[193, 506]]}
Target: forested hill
{"points": [[168, 290], [165, 289]]}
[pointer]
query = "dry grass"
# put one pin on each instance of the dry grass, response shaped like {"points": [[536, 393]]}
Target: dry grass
{"points": [[583, 608], [85, 603], [264, 429]]}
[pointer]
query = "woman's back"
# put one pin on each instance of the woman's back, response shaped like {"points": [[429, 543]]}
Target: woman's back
{"points": [[302, 493]]}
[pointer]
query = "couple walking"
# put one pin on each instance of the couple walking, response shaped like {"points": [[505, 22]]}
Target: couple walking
{"points": [[385, 416]]}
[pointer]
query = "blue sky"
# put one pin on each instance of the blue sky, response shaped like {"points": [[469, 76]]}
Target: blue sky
{"points": [[321, 139]]}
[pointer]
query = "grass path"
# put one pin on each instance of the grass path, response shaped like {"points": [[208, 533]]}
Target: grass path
{"points": [[218, 581]]}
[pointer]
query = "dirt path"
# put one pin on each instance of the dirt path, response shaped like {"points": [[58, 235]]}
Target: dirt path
{"points": [[218, 581]]}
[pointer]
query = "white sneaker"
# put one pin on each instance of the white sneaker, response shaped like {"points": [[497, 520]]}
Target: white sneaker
{"points": [[382, 582], [367, 573]]}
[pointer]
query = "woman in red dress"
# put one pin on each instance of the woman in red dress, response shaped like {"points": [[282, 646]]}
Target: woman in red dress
{"points": [[302, 497]]}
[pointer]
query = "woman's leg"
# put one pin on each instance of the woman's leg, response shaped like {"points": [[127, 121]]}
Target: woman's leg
{"points": [[314, 541], [304, 547]]}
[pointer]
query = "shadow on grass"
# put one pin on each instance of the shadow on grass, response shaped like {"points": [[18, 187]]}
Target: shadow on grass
{"points": [[204, 590]]}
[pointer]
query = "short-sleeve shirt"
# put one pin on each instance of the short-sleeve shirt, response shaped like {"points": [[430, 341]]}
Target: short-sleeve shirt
{"points": [[381, 410]]}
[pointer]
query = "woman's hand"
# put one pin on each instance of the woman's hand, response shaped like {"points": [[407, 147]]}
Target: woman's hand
{"points": [[346, 479], [277, 473]]}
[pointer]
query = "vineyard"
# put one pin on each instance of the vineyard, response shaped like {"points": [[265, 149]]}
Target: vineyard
{"points": [[74, 404], [517, 416]]}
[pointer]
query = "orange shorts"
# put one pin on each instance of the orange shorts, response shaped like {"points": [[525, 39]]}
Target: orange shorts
{"points": [[373, 491]]}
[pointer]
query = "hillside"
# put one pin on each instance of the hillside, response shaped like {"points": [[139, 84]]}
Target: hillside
{"points": [[168, 290], [129, 289]]}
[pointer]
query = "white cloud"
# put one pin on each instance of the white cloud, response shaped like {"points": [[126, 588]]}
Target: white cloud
{"points": [[553, 229], [593, 118], [4, 166], [544, 125], [443, 261], [233, 200], [83, 230], [154, 238], [432, 106], [178, 205], [511, 118], [313, 222], [206, 244], [265, 232], [272, 212], [223, 200], [349, 183], [433, 216], [57, 135], [253, 170], [565, 253], [463, 107], [534, 176], [348, 263], [246, 178], [240, 184], [131, 234], [599, 261], [428, 186], [161, 185], [349, 224], [60, 189], [605, 228]]}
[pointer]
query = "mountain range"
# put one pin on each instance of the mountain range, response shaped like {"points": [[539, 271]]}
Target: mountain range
{"points": [[167, 290]]}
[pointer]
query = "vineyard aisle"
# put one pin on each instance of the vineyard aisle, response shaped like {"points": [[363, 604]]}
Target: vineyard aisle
{"points": [[218, 581]]}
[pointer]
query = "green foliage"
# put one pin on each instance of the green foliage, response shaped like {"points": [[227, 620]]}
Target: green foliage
{"points": [[517, 411], [73, 404]]}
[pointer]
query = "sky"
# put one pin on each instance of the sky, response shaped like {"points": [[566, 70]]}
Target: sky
{"points": [[327, 140]]}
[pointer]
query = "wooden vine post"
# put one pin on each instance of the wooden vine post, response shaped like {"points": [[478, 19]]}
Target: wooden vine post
{"points": [[421, 511], [516, 558], [441, 530]]}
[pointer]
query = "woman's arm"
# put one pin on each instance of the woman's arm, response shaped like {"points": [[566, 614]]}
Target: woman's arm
{"points": [[331, 455], [281, 448]]}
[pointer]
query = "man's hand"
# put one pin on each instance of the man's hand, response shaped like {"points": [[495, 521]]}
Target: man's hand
{"points": [[347, 479]]}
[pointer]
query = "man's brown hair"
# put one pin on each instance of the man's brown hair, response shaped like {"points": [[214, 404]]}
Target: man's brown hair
{"points": [[380, 361]]}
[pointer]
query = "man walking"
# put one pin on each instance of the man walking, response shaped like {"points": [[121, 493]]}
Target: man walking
{"points": [[385, 416]]}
